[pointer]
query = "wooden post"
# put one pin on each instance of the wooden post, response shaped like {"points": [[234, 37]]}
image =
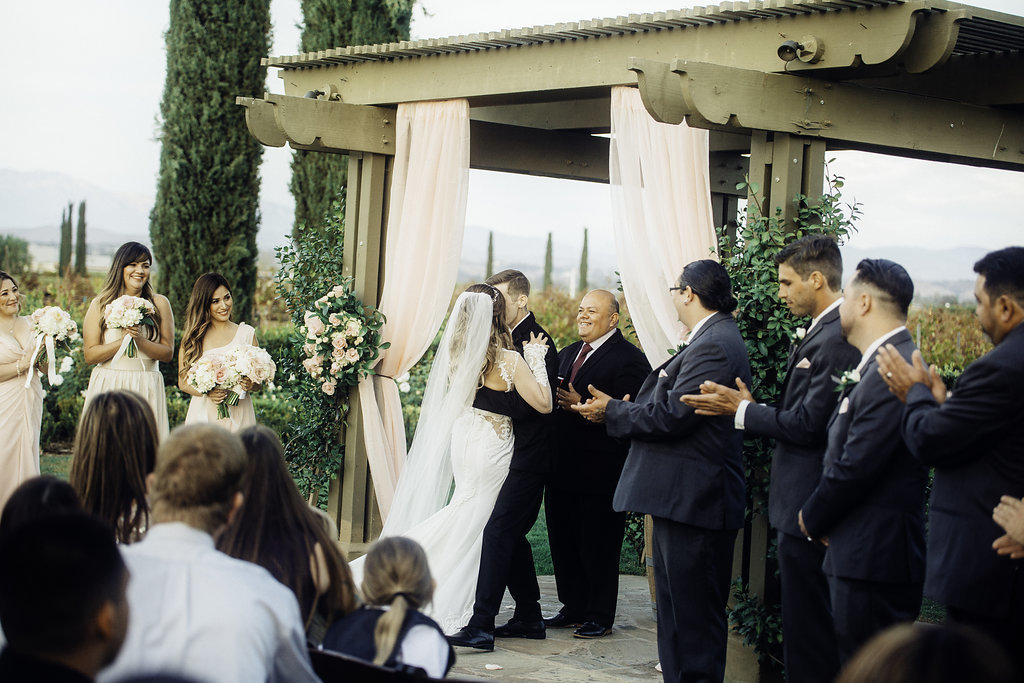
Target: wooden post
{"points": [[351, 502], [782, 166]]}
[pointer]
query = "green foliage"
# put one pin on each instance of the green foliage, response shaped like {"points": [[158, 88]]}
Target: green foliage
{"points": [[80, 241], [584, 265], [64, 258], [316, 177], [759, 624], [548, 264], [950, 336], [206, 213], [14, 256], [489, 268]]}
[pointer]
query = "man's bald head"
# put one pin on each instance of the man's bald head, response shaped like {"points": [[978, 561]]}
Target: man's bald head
{"points": [[598, 314]]}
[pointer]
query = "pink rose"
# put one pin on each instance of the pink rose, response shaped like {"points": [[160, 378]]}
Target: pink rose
{"points": [[314, 326], [328, 388], [339, 341], [351, 355], [334, 319], [338, 354]]}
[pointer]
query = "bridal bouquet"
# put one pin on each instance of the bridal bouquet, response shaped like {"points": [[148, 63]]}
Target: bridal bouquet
{"points": [[342, 339], [227, 369], [51, 324], [128, 311]]}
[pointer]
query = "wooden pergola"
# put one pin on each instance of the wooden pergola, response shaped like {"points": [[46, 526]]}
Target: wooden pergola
{"points": [[927, 79]]}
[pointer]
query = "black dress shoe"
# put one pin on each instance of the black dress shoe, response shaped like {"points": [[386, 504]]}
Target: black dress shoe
{"points": [[470, 636], [591, 629], [516, 628], [562, 620]]}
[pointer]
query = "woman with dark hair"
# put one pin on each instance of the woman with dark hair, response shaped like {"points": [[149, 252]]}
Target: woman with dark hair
{"points": [[456, 441], [277, 530], [208, 329], [21, 407], [115, 450], [115, 370]]}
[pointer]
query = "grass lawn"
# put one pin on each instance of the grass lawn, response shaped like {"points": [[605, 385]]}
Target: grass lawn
{"points": [[56, 461], [538, 537]]}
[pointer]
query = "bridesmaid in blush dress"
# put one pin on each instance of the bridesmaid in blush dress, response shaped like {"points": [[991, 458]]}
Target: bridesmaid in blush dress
{"points": [[209, 330], [21, 407], [114, 371]]}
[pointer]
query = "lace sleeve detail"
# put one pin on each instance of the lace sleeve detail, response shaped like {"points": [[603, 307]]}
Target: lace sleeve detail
{"points": [[534, 354], [507, 368]]}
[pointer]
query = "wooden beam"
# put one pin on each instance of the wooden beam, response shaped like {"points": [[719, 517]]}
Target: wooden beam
{"points": [[852, 37], [556, 154], [724, 98]]}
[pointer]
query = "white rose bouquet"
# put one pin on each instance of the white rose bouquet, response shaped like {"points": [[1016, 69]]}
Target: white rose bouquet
{"points": [[128, 311], [210, 372], [52, 324], [248, 362]]}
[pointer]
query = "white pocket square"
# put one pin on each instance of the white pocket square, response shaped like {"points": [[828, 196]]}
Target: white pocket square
{"points": [[662, 373], [845, 405], [803, 364]]}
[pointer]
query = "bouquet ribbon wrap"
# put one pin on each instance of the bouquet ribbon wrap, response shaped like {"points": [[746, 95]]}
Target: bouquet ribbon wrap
{"points": [[51, 367], [126, 342]]}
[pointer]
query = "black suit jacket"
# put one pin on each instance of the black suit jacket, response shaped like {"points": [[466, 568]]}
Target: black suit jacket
{"points": [[975, 441], [532, 430], [870, 499], [588, 459], [799, 424], [682, 466]]}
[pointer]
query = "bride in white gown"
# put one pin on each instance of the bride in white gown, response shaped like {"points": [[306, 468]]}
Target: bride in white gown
{"points": [[456, 441]]}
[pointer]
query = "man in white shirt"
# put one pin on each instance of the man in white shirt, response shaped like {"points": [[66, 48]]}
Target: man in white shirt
{"points": [[196, 612]]}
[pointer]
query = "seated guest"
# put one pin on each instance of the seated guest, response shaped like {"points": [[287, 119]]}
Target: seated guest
{"points": [[277, 530], [37, 497], [390, 631], [197, 612], [115, 449], [929, 653], [62, 599]]}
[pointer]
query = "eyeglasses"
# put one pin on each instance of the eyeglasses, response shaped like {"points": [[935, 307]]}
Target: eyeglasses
{"points": [[676, 289]]}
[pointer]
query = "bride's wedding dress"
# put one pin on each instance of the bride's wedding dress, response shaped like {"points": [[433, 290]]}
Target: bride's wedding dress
{"points": [[478, 445]]}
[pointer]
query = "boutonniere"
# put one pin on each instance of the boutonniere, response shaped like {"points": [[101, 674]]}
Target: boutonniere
{"points": [[848, 379], [798, 335]]}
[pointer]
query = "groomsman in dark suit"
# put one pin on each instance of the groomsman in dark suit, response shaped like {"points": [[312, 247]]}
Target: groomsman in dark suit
{"points": [[810, 283], [975, 441], [506, 558], [868, 506], [584, 532], [687, 472]]}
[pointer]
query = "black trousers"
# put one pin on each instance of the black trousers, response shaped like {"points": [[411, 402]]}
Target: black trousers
{"points": [[1007, 631], [861, 609], [808, 636], [506, 558], [692, 568], [585, 535]]}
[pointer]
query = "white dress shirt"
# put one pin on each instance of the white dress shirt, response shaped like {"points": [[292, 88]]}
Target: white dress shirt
{"points": [[199, 613]]}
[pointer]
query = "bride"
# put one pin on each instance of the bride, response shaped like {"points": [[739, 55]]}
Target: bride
{"points": [[455, 440]]}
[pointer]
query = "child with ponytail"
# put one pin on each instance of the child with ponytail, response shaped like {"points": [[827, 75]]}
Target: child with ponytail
{"points": [[396, 585]]}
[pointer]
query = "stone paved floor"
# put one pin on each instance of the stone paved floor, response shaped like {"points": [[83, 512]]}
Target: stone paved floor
{"points": [[629, 653]]}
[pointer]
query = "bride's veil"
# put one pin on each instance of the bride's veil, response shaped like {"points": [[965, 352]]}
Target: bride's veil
{"points": [[425, 481]]}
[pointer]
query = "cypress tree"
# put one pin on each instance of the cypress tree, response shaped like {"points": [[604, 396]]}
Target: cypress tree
{"points": [[489, 270], [317, 178], [64, 258], [80, 240], [548, 265], [207, 207], [583, 264]]}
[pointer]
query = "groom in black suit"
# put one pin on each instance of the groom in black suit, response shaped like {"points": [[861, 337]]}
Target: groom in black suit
{"points": [[868, 507], [687, 472], [975, 441], [810, 283], [506, 558], [584, 532]]}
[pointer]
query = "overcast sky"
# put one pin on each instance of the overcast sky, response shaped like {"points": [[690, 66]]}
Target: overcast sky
{"points": [[83, 80]]}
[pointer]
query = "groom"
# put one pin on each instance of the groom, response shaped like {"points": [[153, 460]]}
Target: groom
{"points": [[506, 558]]}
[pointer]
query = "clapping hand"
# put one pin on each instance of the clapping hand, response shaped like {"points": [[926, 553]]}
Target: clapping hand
{"points": [[567, 397], [718, 399], [901, 375], [595, 407], [537, 338], [1009, 514]]}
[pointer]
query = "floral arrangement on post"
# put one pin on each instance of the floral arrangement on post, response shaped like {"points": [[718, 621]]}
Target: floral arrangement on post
{"points": [[342, 340], [51, 324], [128, 311]]}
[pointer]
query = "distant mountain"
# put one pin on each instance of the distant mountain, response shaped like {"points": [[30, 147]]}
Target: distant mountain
{"points": [[938, 274], [31, 203]]}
